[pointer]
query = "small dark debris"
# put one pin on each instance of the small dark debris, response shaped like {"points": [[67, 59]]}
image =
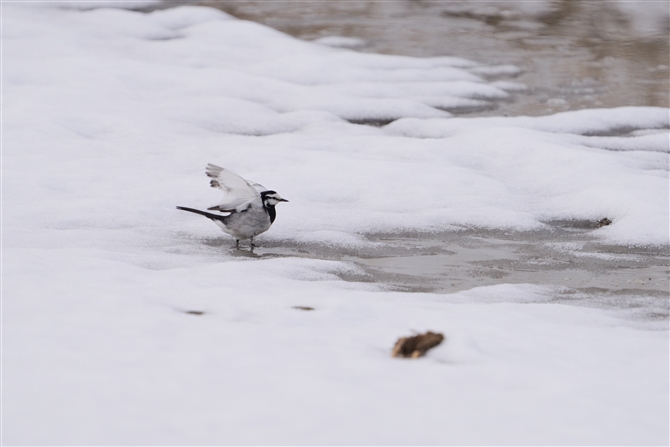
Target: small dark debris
{"points": [[194, 312], [603, 222], [416, 346], [303, 308]]}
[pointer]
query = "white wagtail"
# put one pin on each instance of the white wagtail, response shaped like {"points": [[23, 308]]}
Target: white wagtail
{"points": [[251, 206]]}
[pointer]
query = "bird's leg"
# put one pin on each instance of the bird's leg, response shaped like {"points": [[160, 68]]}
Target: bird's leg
{"points": [[237, 243], [252, 242]]}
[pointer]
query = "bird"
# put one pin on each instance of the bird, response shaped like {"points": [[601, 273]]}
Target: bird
{"points": [[251, 206]]}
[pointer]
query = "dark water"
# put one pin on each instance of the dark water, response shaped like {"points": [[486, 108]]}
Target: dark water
{"points": [[574, 54]]}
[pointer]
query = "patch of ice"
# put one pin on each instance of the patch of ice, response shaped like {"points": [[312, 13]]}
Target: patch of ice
{"points": [[556, 102], [500, 9], [620, 19], [340, 42], [645, 18], [97, 4], [607, 256], [497, 70], [509, 86]]}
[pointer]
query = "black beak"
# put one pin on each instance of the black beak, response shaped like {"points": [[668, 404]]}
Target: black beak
{"points": [[283, 200]]}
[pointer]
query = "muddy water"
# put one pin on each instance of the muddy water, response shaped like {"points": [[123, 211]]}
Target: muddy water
{"points": [[573, 54]]}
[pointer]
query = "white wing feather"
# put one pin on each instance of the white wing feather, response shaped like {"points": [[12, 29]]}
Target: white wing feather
{"points": [[239, 194]]}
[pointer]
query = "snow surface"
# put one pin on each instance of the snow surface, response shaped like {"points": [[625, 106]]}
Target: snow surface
{"points": [[109, 117]]}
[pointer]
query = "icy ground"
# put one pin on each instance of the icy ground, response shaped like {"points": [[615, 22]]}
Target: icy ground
{"points": [[124, 323]]}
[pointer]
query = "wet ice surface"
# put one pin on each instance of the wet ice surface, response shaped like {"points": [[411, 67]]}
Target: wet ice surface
{"points": [[633, 281]]}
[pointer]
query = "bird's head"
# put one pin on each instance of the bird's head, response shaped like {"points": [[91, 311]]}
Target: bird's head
{"points": [[271, 198]]}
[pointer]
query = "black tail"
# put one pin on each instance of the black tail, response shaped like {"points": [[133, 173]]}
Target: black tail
{"points": [[203, 213]]}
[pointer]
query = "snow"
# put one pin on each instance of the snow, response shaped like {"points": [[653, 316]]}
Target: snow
{"points": [[255, 371], [109, 117], [537, 158]]}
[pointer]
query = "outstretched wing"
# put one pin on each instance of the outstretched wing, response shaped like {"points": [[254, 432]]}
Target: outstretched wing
{"points": [[239, 194]]}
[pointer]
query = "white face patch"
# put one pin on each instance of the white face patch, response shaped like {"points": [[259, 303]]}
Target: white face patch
{"points": [[273, 199]]}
